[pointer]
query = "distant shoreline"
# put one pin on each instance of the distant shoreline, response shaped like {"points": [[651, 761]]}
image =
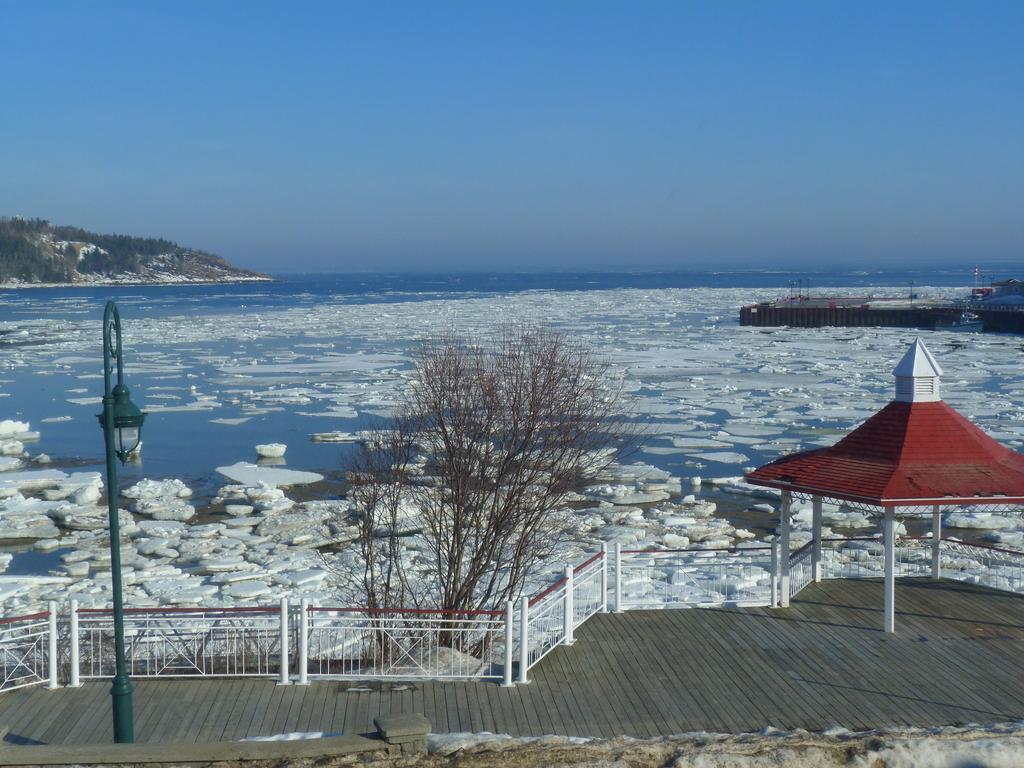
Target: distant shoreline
{"points": [[8, 286]]}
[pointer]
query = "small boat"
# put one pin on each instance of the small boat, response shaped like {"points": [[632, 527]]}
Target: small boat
{"points": [[968, 322]]}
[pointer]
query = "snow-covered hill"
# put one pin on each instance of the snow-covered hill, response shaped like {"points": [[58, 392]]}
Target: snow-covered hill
{"points": [[34, 251]]}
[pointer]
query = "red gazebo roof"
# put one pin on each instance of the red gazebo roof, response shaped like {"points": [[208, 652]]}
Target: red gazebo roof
{"points": [[917, 451]]}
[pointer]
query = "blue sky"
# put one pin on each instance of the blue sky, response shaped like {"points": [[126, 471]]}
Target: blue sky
{"points": [[549, 135]]}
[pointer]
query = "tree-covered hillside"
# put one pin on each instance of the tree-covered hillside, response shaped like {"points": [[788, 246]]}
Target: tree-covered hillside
{"points": [[36, 251]]}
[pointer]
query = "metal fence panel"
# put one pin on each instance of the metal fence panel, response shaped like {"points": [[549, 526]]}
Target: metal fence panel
{"points": [[24, 651], [400, 644], [695, 578], [201, 642]]}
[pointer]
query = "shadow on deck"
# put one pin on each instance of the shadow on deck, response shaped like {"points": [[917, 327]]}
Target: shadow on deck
{"points": [[956, 658]]}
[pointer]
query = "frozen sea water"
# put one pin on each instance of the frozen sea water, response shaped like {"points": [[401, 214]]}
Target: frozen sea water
{"points": [[223, 368]]}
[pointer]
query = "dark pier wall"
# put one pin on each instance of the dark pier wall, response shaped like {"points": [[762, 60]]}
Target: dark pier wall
{"points": [[846, 317], [1001, 321]]}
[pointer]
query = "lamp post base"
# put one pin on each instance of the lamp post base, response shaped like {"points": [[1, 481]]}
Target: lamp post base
{"points": [[121, 696]]}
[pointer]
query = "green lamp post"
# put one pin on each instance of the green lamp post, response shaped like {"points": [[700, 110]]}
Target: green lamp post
{"points": [[121, 421]]}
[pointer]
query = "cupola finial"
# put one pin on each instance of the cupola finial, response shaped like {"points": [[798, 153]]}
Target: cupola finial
{"points": [[917, 375]]}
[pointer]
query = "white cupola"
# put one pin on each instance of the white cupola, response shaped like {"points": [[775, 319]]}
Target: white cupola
{"points": [[917, 375]]}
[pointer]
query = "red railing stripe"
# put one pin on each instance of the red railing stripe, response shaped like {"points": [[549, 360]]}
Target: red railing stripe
{"points": [[544, 593], [1016, 552], [577, 568], [693, 550], [183, 609], [413, 611], [877, 540], [853, 538], [802, 549], [26, 617]]}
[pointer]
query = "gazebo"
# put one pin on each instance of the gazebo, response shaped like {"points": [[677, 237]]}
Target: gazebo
{"points": [[915, 452]]}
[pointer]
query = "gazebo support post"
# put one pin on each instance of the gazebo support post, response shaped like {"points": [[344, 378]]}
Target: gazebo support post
{"points": [[816, 533], [936, 542], [888, 535], [784, 513], [775, 572]]}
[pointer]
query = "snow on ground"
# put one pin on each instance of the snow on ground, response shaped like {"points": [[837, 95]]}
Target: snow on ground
{"points": [[1000, 746], [993, 747], [296, 736]]}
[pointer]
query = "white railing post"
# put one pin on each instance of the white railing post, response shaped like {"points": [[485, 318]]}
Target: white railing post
{"points": [[53, 660], [509, 614], [775, 572], [74, 648], [604, 577], [284, 680], [568, 620], [936, 542], [304, 641], [524, 639], [816, 528], [618, 577], [785, 508]]}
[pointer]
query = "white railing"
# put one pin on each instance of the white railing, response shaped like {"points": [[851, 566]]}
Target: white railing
{"points": [[689, 578], [550, 618], [913, 557], [589, 588], [864, 558], [546, 623], [28, 650], [988, 566], [182, 642], [801, 569], [402, 643], [854, 558], [357, 643]]}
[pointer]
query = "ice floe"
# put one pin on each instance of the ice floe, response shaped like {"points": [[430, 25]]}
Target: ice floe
{"points": [[271, 450], [253, 474], [161, 499], [10, 428]]}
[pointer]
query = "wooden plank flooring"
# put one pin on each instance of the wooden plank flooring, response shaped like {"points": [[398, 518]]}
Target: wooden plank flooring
{"points": [[957, 657]]}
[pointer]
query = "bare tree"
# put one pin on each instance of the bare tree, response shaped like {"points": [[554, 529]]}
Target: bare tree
{"points": [[380, 475], [488, 444]]}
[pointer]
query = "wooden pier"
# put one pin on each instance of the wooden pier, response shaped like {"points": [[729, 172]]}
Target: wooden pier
{"points": [[851, 312], [958, 657]]}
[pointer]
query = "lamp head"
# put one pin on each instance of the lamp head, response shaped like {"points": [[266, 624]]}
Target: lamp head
{"points": [[128, 421]]}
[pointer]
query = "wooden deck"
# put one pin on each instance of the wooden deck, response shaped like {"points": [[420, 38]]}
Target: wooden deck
{"points": [[957, 657]]}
